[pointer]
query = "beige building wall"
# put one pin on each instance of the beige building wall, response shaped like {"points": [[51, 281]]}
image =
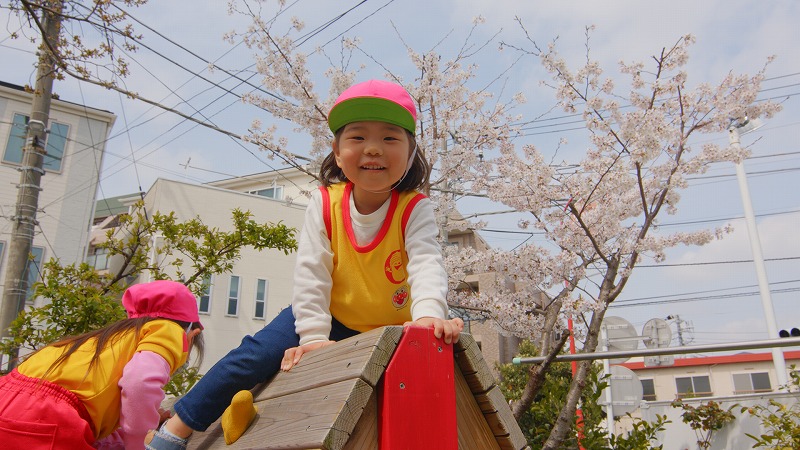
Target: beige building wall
{"points": [[720, 371]]}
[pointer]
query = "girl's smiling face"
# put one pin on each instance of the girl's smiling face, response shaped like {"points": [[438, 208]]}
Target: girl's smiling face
{"points": [[372, 155]]}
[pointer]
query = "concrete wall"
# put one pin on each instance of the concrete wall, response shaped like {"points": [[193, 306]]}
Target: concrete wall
{"points": [[679, 436]]}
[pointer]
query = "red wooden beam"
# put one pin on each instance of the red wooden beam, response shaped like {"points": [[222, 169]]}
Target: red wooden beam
{"points": [[417, 401]]}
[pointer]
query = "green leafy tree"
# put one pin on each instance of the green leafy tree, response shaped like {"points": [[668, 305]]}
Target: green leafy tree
{"points": [[182, 381], [538, 420], [781, 423], [642, 436], [705, 419], [79, 299]]}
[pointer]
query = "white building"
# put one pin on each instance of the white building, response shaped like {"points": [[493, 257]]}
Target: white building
{"points": [[75, 145], [737, 380]]}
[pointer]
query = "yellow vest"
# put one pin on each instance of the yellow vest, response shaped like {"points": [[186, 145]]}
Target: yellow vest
{"points": [[370, 282], [98, 390]]}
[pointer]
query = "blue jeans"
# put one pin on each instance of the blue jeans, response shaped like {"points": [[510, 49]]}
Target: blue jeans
{"points": [[256, 359]]}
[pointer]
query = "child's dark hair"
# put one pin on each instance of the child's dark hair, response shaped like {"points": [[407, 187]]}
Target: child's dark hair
{"points": [[417, 178], [106, 335]]}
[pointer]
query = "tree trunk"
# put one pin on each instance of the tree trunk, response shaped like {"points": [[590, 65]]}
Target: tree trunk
{"points": [[566, 418], [537, 372]]}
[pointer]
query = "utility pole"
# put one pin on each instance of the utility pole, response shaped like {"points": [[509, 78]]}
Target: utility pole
{"points": [[681, 326], [31, 171], [736, 129]]}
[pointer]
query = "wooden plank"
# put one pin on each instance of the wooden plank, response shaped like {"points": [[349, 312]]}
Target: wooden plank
{"points": [[365, 433], [418, 401], [209, 439], [501, 420], [469, 358], [473, 431], [363, 356], [322, 418]]}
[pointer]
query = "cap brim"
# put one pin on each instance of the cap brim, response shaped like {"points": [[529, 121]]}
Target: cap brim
{"points": [[361, 109]]}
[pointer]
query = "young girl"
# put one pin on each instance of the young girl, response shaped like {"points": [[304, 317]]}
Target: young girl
{"points": [[368, 257], [102, 389]]}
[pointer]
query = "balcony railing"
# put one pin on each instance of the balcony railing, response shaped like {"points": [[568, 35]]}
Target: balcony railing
{"points": [[683, 395]]}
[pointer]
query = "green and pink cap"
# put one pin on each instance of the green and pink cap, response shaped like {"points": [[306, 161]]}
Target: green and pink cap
{"points": [[374, 100]]}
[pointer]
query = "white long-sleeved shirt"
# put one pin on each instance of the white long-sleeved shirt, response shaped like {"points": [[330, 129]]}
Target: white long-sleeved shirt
{"points": [[312, 278]]}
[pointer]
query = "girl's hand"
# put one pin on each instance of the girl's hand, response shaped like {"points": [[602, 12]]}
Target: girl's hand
{"points": [[448, 329], [163, 415], [292, 356]]}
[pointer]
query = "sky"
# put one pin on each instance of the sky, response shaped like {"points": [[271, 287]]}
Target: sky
{"points": [[713, 289]]}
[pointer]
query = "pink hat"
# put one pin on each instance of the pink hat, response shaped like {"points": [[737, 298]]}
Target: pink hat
{"points": [[374, 100], [162, 298]]}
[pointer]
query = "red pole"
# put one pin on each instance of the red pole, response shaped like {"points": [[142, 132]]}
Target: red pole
{"points": [[578, 411]]}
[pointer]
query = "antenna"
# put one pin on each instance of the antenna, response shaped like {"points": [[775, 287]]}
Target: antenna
{"points": [[682, 327]]}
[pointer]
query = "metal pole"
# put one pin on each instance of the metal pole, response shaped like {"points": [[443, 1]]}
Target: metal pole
{"points": [[758, 259], [769, 343]]}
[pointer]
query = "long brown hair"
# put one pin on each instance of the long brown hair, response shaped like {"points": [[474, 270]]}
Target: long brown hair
{"points": [[418, 176], [107, 335]]}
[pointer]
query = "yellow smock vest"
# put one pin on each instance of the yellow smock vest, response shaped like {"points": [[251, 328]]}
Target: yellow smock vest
{"points": [[370, 282], [98, 389]]}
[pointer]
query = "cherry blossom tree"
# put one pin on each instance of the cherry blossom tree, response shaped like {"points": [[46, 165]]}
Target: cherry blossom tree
{"points": [[600, 217], [456, 124]]}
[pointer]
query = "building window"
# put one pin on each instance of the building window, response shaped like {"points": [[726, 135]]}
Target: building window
{"points": [[261, 299], [54, 146], [16, 139], [204, 302], [648, 390], [98, 259], [689, 387], [751, 383], [56, 143], [273, 192], [33, 270], [233, 297]]}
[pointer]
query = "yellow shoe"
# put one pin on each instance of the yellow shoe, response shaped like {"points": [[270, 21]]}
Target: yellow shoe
{"points": [[238, 416]]}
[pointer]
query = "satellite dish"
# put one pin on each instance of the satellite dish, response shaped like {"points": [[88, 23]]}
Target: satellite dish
{"points": [[626, 391], [621, 336], [657, 334]]}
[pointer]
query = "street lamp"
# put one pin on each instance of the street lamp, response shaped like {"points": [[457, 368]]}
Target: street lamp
{"points": [[734, 131]]}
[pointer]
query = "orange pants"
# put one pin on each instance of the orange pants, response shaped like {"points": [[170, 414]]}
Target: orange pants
{"points": [[39, 415]]}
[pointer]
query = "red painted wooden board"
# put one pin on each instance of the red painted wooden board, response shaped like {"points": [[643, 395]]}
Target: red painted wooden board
{"points": [[418, 399]]}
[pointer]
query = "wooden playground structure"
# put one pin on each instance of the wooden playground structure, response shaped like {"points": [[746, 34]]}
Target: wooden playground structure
{"points": [[385, 389]]}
